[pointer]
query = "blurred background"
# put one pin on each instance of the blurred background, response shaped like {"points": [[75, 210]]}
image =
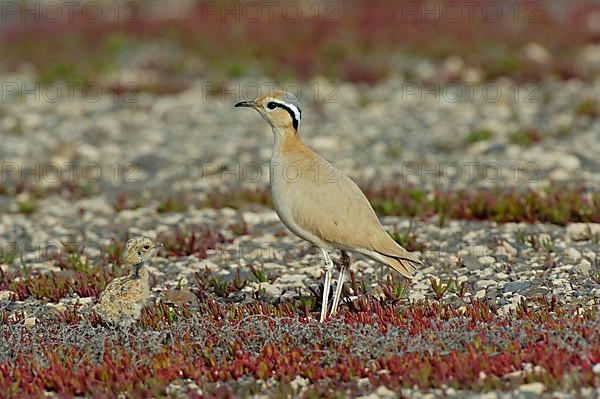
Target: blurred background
{"points": [[419, 93], [164, 48]]}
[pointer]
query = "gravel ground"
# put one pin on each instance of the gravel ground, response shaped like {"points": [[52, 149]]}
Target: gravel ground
{"points": [[188, 144], [193, 141], [500, 262]]}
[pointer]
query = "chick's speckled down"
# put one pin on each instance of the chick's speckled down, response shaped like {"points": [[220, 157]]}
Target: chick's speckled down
{"points": [[123, 298]]}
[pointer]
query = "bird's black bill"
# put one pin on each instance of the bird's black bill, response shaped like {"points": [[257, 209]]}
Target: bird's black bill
{"points": [[246, 104]]}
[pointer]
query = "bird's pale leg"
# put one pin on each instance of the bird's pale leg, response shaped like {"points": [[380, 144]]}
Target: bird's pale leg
{"points": [[338, 291], [328, 267], [340, 283]]}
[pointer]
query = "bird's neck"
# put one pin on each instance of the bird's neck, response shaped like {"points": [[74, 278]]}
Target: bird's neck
{"points": [[285, 139], [139, 271]]}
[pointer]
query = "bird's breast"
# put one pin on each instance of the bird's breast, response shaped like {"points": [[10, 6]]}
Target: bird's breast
{"points": [[282, 193], [289, 192]]}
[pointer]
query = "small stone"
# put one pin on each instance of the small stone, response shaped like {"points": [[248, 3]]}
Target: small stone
{"points": [[535, 388], [514, 376], [491, 294], [582, 231], [517, 298], [363, 382], [178, 297], [292, 280], [473, 75], [508, 248], [536, 291], [584, 267], [471, 236], [462, 279], [485, 283], [573, 254], [272, 290], [559, 175], [7, 296], [486, 260], [384, 392], [416, 296], [516, 286], [596, 368], [421, 287], [454, 65], [501, 276], [537, 53], [298, 383], [60, 307], [83, 301], [590, 255]]}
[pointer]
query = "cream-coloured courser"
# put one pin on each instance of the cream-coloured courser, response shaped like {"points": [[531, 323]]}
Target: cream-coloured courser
{"points": [[319, 203]]}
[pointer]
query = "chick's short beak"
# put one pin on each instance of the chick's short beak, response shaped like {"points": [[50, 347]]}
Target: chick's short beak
{"points": [[245, 104]]}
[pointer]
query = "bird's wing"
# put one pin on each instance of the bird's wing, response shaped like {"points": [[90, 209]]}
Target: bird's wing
{"points": [[114, 288], [333, 208]]}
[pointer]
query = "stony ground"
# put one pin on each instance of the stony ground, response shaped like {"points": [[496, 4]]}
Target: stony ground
{"points": [[526, 134], [145, 167]]}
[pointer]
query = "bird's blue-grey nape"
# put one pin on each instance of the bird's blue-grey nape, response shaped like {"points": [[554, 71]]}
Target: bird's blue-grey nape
{"points": [[293, 100]]}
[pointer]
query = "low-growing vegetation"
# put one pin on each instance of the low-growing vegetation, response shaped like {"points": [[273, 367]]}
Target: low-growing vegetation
{"points": [[224, 337], [557, 205], [77, 276], [220, 350], [331, 40]]}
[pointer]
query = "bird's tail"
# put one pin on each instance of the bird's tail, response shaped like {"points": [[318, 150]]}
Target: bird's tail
{"points": [[405, 264]]}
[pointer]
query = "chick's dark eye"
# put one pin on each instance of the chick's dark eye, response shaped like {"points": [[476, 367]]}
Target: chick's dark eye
{"points": [[146, 246], [272, 105]]}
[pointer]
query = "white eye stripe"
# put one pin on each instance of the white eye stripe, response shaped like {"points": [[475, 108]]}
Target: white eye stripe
{"points": [[291, 107]]}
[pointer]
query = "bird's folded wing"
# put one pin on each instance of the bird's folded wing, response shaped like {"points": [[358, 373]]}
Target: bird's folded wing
{"points": [[337, 211]]}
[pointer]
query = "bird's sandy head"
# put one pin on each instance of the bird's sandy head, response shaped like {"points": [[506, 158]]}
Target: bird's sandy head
{"points": [[279, 108], [139, 249]]}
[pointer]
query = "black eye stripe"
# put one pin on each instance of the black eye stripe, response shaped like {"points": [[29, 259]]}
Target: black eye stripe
{"points": [[272, 105]]}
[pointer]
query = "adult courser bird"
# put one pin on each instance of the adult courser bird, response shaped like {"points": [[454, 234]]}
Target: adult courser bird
{"points": [[319, 203]]}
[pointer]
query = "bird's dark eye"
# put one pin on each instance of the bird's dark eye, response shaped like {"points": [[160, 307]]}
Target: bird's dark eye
{"points": [[146, 246], [272, 105]]}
